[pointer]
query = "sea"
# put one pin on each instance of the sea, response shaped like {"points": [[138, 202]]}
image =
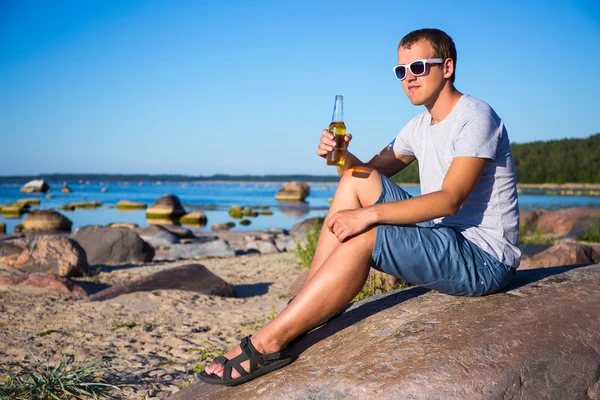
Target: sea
{"points": [[214, 199]]}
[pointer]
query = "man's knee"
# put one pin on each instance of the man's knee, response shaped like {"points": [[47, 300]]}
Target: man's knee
{"points": [[365, 181]]}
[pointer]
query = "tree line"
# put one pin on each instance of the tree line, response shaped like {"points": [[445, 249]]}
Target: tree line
{"points": [[553, 161]]}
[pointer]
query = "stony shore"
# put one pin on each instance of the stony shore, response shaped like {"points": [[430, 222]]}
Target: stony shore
{"points": [[155, 338]]}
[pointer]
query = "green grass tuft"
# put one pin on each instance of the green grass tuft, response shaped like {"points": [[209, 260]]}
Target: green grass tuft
{"points": [[128, 325], [65, 380], [534, 237], [592, 234], [306, 251]]}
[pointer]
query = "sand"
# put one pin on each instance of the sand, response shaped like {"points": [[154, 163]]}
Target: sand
{"points": [[155, 338]]}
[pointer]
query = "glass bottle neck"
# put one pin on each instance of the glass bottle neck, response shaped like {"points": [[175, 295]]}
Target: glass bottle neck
{"points": [[338, 109]]}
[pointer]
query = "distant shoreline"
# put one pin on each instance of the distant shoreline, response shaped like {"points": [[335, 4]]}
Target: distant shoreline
{"points": [[107, 178]]}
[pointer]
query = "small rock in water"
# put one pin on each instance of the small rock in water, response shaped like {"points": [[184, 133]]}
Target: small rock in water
{"points": [[35, 186]]}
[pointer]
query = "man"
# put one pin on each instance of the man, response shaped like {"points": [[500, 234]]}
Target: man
{"points": [[459, 237]]}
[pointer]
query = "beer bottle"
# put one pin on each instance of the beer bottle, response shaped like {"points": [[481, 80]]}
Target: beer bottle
{"points": [[338, 128]]}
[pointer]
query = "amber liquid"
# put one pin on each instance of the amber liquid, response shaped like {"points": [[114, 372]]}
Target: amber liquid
{"points": [[336, 157]]}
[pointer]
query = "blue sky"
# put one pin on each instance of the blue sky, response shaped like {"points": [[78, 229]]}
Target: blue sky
{"points": [[245, 87]]}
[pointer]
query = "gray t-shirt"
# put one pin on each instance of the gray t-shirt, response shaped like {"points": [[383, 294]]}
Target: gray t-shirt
{"points": [[490, 215]]}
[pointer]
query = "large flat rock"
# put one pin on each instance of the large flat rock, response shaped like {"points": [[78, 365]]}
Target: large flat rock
{"points": [[538, 339]]}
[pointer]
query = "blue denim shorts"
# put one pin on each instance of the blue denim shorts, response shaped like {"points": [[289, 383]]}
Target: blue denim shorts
{"points": [[433, 256]]}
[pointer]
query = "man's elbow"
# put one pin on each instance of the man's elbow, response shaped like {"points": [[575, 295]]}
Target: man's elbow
{"points": [[452, 210], [453, 205]]}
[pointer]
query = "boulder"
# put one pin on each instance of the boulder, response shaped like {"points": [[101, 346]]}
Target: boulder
{"points": [[299, 230], [14, 210], [236, 212], [263, 246], [45, 281], [177, 231], [8, 248], [84, 205], [566, 253], [44, 221], [30, 202], [567, 221], [213, 248], [293, 191], [65, 188], [130, 205], [54, 254], [112, 246], [285, 243], [161, 239], [167, 206], [35, 186], [536, 340], [193, 218], [216, 227], [129, 225], [2, 228], [193, 277], [529, 218]]}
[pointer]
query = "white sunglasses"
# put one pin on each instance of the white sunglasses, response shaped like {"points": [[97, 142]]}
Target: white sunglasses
{"points": [[417, 68]]}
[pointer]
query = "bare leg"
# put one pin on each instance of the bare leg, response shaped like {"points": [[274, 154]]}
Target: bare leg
{"points": [[335, 283], [359, 187]]}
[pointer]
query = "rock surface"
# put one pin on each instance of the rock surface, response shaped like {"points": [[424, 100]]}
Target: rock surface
{"points": [[35, 186], [55, 254], [45, 281], [130, 205], [128, 225], [567, 221], [299, 230], [538, 339], [2, 228], [112, 246], [195, 217], [217, 227], [293, 191], [566, 253], [213, 248], [263, 246], [167, 206], [7, 248], [44, 221], [191, 277]]}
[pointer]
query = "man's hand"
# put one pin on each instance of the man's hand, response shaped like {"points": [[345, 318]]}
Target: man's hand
{"points": [[347, 223], [326, 144]]}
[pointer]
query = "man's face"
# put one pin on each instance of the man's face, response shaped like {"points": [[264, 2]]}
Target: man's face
{"points": [[424, 89]]}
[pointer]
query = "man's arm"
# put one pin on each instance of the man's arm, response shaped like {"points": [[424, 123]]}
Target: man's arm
{"points": [[389, 163], [461, 178]]}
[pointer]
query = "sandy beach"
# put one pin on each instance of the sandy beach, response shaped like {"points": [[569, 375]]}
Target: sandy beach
{"points": [[155, 339]]}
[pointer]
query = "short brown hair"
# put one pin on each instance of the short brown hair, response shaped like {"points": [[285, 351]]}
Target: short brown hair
{"points": [[443, 45]]}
